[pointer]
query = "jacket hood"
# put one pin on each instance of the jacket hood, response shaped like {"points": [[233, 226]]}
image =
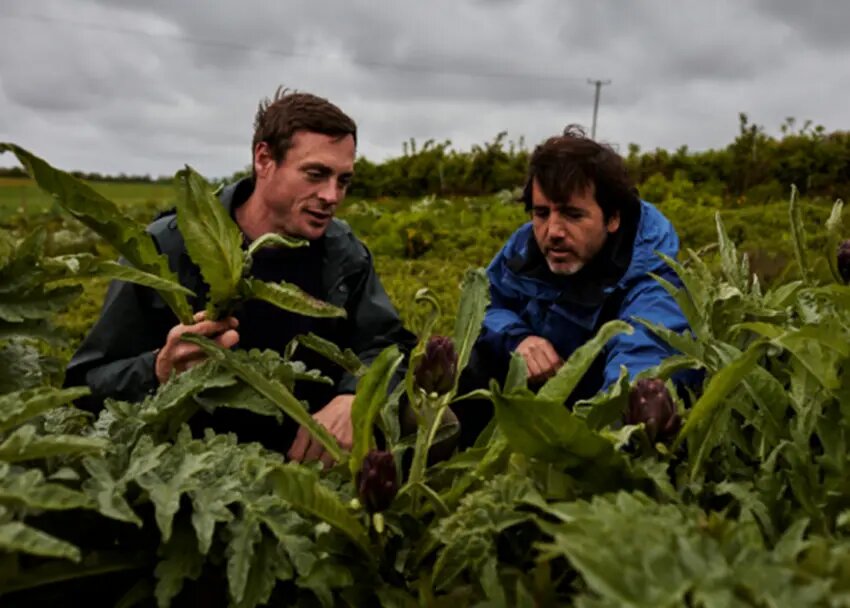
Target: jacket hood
{"points": [[655, 234]]}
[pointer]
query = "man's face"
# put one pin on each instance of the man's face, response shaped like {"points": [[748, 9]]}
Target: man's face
{"points": [[569, 233], [301, 193]]}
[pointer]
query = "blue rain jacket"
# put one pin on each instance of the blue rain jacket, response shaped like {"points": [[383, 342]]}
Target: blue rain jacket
{"points": [[523, 305]]}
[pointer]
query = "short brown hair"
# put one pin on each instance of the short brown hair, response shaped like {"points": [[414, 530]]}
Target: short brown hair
{"points": [[571, 163], [279, 118]]}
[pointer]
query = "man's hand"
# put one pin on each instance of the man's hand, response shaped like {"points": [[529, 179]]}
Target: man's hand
{"points": [[541, 357], [179, 356], [336, 417]]}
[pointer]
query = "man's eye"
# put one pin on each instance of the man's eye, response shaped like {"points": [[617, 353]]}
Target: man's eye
{"points": [[315, 175], [541, 213]]}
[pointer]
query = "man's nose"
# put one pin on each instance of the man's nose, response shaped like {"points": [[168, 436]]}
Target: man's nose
{"points": [[557, 229], [331, 192]]}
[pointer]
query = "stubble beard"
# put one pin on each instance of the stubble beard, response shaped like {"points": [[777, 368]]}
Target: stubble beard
{"points": [[565, 270]]}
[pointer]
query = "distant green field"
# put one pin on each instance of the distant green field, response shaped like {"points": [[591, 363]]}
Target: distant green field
{"points": [[20, 196]]}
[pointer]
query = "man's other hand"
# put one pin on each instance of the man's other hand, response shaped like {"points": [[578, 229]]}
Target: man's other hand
{"points": [[179, 356], [541, 358], [336, 418]]}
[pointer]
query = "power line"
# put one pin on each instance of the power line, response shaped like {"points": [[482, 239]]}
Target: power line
{"points": [[245, 48], [598, 84]]}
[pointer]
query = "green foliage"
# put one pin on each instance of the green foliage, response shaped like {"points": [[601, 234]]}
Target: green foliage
{"points": [[748, 507], [104, 217], [632, 551], [212, 239], [370, 397]]}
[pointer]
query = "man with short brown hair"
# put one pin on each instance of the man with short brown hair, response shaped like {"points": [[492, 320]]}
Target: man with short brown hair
{"points": [[584, 258], [303, 154]]}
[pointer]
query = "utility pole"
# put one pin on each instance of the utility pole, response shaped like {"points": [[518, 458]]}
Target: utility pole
{"points": [[598, 84]]}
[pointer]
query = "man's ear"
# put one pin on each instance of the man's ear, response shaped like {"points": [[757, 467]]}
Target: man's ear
{"points": [[614, 222], [263, 159]]}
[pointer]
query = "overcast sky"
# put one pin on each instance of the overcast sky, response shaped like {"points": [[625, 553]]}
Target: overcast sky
{"points": [[145, 87]]}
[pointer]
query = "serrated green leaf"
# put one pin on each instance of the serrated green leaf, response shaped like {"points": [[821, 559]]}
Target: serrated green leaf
{"points": [[474, 298], [107, 492], [370, 397], [26, 444], [145, 457], [750, 503], [346, 359], [325, 580], [245, 533], [469, 533], [798, 235], [584, 524], [704, 412], [122, 272], [559, 387], [210, 506], [301, 488], [686, 343], [20, 406], [29, 488], [268, 565], [17, 537], [238, 396], [166, 488], [287, 296], [820, 348], [213, 240], [179, 560], [276, 392], [173, 403], [729, 257], [834, 236], [693, 298], [290, 529], [104, 218]]}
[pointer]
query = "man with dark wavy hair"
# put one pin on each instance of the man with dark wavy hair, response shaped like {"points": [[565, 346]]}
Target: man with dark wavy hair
{"points": [[303, 154], [584, 258]]}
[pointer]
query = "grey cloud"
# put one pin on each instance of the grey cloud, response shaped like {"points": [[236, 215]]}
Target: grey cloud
{"points": [[154, 85], [819, 23]]}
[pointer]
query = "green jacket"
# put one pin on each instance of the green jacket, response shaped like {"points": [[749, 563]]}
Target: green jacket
{"points": [[116, 359]]}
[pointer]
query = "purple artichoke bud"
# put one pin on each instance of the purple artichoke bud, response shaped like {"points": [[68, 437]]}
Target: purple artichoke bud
{"points": [[844, 260], [377, 481], [436, 370], [650, 403]]}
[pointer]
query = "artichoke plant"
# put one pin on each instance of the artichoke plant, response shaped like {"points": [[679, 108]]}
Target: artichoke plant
{"points": [[650, 403], [436, 370], [377, 481]]}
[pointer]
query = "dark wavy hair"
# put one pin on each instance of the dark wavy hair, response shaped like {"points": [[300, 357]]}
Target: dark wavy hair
{"points": [[571, 163], [279, 118]]}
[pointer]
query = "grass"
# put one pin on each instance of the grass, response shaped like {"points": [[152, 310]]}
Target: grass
{"points": [[20, 196]]}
